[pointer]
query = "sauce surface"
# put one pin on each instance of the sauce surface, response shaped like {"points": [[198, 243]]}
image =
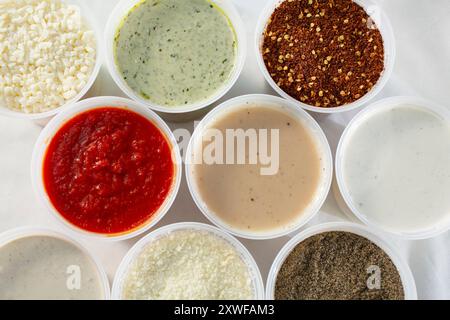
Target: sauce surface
{"points": [[175, 52], [243, 198], [396, 167], [108, 170], [44, 268]]}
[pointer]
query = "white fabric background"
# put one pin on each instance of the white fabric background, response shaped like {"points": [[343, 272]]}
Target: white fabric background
{"points": [[422, 68]]}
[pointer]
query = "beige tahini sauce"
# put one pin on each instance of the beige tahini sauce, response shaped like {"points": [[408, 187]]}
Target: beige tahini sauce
{"points": [[246, 200]]}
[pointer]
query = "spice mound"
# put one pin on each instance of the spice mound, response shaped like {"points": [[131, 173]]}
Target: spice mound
{"points": [[47, 54], [325, 53], [188, 265], [338, 266], [108, 170]]}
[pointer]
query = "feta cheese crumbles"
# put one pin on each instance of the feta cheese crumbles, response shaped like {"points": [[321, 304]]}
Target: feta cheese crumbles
{"points": [[188, 265], [47, 54]]}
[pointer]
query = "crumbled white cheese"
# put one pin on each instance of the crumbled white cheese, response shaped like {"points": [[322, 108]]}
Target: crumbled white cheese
{"points": [[188, 265], [47, 54]]}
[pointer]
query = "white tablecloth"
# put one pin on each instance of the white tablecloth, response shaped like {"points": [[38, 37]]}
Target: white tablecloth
{"points": [[422, 68]]}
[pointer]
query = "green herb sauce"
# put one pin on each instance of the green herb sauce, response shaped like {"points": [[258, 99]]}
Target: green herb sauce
{"points": [[175, 52]]}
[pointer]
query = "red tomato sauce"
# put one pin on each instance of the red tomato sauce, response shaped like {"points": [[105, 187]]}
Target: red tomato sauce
{"points": [[108, 170]]}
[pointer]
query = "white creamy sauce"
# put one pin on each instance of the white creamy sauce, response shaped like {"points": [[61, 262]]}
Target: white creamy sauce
{"points": [[47, 268], [396, 167]]}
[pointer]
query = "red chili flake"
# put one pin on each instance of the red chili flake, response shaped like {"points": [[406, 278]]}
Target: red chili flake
{"points": [[325, 53]]}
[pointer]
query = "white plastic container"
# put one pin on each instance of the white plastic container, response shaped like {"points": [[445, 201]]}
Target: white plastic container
{"points": [[89, 104], [185, 112], [321, 143], [382, 22], [23, 232], [257, 282], [43, 117], [406, 276], [340, 189]]}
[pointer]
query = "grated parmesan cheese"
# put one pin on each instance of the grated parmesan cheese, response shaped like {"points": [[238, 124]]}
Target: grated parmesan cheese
{"points": [[47, 54], [188, 265]]}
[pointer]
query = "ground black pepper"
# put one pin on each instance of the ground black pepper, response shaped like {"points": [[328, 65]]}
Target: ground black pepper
{"points": [[325, 53], [334, 266]]}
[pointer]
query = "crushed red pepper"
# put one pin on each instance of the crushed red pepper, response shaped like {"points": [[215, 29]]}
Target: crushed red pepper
{"points": [[325, 53]]}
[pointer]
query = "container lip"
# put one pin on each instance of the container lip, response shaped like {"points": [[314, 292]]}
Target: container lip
{"points": [[375, 107], [408, 282], [124, 6], [387, 33], [91, 24], [30, 231], [89, 104], [315, 130], [243, 252]]}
